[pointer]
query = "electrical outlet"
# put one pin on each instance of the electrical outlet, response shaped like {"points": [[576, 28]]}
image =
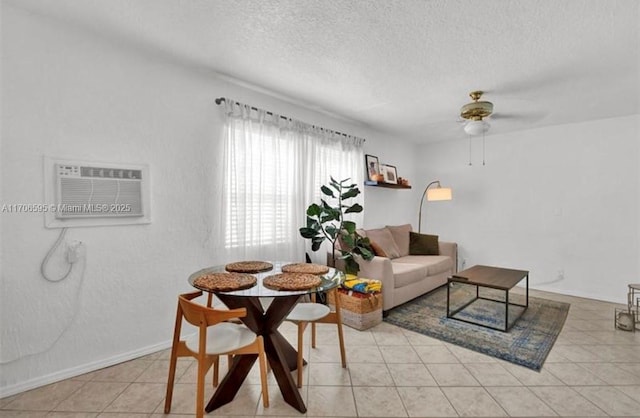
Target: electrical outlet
{"points": [[73, 251]]}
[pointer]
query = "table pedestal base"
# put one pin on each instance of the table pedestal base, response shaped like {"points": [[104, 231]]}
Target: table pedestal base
{"points": [[281, 355]]}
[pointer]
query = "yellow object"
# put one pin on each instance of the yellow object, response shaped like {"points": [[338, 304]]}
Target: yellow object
{"points": [[362, 285]]}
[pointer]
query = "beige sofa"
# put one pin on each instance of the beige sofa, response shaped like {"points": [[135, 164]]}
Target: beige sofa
{"points": [[405, 276]]}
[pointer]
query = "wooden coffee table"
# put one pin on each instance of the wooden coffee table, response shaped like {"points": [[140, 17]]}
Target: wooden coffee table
{"points": [[490, 277]]}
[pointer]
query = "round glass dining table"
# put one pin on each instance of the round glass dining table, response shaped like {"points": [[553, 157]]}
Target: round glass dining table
{"points": [[281, 355]]}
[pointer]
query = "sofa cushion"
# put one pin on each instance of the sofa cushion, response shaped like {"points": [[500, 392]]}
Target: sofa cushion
{"points": [[435, 264], [377, 249], [400, 235], [423, 244], [405, 273], [384, 239]]}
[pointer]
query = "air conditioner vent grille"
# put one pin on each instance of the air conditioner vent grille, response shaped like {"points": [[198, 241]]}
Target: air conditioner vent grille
{"points": [[90, 192]]}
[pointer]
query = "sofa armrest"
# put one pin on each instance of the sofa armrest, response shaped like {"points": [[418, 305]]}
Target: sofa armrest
{"points": [[450, 249], [378, 268]]}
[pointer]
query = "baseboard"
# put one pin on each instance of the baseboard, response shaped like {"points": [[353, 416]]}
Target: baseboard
{"points": [[583, 295], [80, 370]]}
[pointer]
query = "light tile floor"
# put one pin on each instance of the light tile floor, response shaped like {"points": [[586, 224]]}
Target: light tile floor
{"points": [[593, 370]]}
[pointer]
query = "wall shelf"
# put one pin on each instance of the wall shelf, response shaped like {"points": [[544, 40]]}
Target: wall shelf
{"points": [[387, 185]]}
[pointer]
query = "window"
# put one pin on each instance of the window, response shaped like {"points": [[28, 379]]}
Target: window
{"points": [[274, 169], [258, 198]]}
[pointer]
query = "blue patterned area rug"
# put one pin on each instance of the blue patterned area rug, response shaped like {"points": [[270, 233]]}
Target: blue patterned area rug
{"points": [[527, 343]]}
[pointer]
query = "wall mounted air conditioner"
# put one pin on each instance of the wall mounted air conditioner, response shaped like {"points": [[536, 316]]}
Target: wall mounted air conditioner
{"points": [[82, 193]]}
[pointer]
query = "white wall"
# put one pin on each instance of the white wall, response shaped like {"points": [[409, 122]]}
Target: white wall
{"points": [[70, 93], [386, 206], [562, 202]]}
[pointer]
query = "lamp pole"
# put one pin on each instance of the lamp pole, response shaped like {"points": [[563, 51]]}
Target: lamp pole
{"points": [[422, 200]]}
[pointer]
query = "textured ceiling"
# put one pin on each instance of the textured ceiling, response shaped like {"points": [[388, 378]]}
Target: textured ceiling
{"points": [[402, 67]]}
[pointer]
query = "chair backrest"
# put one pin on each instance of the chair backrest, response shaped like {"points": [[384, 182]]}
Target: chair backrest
{"points": [[203, 316]]}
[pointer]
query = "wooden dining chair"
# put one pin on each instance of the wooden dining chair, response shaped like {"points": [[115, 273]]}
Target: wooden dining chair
{"points": [[305, 313], [215, 337]]}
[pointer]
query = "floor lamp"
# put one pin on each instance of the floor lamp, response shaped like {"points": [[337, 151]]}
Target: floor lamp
{"points": [[434, 194]]}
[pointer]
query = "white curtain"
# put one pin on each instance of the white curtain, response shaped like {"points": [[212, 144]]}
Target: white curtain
{"points": [[273, 170]]}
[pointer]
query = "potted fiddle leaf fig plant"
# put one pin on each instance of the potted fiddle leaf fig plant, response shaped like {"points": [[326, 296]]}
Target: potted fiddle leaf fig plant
{"points": [[326, 222]]}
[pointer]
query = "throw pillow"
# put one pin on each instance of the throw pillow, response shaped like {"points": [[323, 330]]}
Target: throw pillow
{"points": [[377, 250], [401, 237], [385, 240], [423, 244]]}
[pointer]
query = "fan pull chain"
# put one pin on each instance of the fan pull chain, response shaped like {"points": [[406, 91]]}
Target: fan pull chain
{"points": [[469, 149]]}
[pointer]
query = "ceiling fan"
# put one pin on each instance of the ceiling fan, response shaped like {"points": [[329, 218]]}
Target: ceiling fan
{"points": [[475, 112]]}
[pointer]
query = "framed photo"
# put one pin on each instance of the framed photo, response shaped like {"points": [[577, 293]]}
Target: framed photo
{"points": [[389, 173], [373, 166]]}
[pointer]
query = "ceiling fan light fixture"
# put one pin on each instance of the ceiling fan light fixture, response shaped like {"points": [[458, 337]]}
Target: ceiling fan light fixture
{"points": [[476, 127], [478, 109]]}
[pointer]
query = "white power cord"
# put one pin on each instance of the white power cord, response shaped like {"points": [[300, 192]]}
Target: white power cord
{"points": [[76, 298], [48, 257]]}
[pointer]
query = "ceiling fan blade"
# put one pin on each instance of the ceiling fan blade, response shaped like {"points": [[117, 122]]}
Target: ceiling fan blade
{"points": [[505, 116], [519, 117]]}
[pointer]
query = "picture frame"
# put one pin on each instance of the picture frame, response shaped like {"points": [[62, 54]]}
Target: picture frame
{"points": [[372, 166], [389, 173]]}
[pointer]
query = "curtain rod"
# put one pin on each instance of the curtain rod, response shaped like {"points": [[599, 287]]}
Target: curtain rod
{"points": [[221, 100]]}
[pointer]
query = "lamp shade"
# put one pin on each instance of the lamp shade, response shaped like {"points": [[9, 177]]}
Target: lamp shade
{"points": [[439, 193], [476, 127]]}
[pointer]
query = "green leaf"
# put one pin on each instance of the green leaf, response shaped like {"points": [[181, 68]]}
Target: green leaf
{"points": [[354, 209], [327, 191], [329, 218], [332, 231], [365, 253], [349, 241], [329, 211], [315, 245], [308, 232], [314, 210], [351, 266], [349, 226], [350, 193]]}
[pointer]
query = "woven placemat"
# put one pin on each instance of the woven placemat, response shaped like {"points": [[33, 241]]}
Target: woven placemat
{"points": [[308, 268], [248, 266], [291, 281], [224, 282]]}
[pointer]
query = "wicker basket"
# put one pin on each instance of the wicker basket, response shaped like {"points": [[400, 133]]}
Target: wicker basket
{"points": [[360, 311]]}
